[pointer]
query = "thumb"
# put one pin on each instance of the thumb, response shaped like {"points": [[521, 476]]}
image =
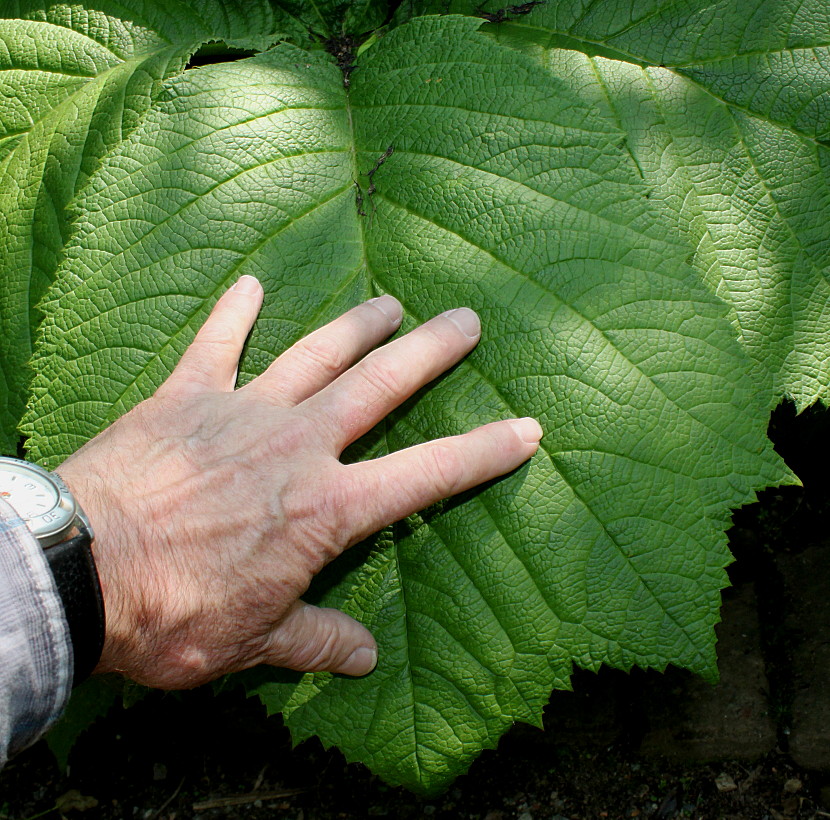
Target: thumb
{"points": [[317, 639]]}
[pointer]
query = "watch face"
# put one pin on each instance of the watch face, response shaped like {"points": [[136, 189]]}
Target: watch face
{"points": [[30, 495], [36, 497]]}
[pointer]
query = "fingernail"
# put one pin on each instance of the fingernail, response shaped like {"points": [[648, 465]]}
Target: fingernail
{"points": [[528, 430], [361, 662], [248, 285], [389, 306], [466, 321]]}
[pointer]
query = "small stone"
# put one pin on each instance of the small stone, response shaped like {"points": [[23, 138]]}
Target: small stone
{"points": [[725, 783], [73, 800], [792, 786], [790, 807], [525, 815]]}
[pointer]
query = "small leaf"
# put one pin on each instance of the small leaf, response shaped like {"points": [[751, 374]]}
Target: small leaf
{"points": [[90, 701]]}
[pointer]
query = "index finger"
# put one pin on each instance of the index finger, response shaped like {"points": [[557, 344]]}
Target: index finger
{"points": [[402, 483]]}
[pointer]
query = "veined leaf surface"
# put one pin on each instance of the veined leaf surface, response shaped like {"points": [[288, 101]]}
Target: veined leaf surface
{"points": [[725, 110], [73, 83], [511, 182]]}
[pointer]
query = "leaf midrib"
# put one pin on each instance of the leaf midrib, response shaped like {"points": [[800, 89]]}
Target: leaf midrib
{"points": [[416, 753]]}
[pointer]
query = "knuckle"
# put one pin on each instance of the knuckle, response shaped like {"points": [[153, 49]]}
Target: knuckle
{"points": [[166, 409], [335, 497], [312, 642], [213, 344], [444, 468], [217, 333], [289, 438], [444, 343], [318, 513], [383, 376], [195, 372], [300, 503], [323, 354], [318, 656]]}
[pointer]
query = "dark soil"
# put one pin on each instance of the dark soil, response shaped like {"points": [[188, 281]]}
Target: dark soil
{"points": [[166, 756], [196, 755]]}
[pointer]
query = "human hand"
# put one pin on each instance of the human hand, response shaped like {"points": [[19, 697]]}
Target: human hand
{"points": [[213, 508]]}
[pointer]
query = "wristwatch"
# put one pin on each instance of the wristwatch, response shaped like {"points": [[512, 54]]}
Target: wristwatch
{"points": [[56, 519]]}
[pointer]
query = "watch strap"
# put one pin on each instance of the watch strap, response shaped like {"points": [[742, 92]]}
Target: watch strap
{"points": [[76, 578]]}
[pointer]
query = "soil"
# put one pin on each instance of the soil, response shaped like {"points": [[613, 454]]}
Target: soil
{"points": [[195, 755]]}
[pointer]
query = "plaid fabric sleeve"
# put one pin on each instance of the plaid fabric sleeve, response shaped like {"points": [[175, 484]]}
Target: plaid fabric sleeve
{"points": [[35, 649]]}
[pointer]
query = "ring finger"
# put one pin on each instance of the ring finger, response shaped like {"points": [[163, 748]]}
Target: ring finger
{"points": [[315, 360]]}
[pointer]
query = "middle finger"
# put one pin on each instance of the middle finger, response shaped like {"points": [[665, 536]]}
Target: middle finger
{"points": [[358, 399]]}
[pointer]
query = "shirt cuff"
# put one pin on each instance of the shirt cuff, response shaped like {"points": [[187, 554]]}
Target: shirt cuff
{"points": [[35, 647]]}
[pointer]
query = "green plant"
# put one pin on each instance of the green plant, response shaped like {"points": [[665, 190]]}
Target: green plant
{"points": [[633, 197]]}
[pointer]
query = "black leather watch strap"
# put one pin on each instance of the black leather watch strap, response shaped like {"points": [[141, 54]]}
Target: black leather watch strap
{"points": [[76, 578]]}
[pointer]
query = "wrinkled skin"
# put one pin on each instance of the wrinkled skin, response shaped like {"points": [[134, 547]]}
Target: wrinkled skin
{"points": [[214, 507]]}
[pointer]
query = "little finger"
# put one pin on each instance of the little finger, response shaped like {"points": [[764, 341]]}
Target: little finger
{"points": [[212, 359]]}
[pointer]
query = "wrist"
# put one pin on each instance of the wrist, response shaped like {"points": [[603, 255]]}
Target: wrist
{"points": [[121, 633], [143, 608], [56, 519]]}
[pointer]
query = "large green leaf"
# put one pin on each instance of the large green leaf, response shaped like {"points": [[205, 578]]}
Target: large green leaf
{"points": [[73, 82], [515, 185], [725, 109], [644, 245]]}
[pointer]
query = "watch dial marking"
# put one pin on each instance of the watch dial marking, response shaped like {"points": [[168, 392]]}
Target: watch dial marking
{"points": [[31, 496]]}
